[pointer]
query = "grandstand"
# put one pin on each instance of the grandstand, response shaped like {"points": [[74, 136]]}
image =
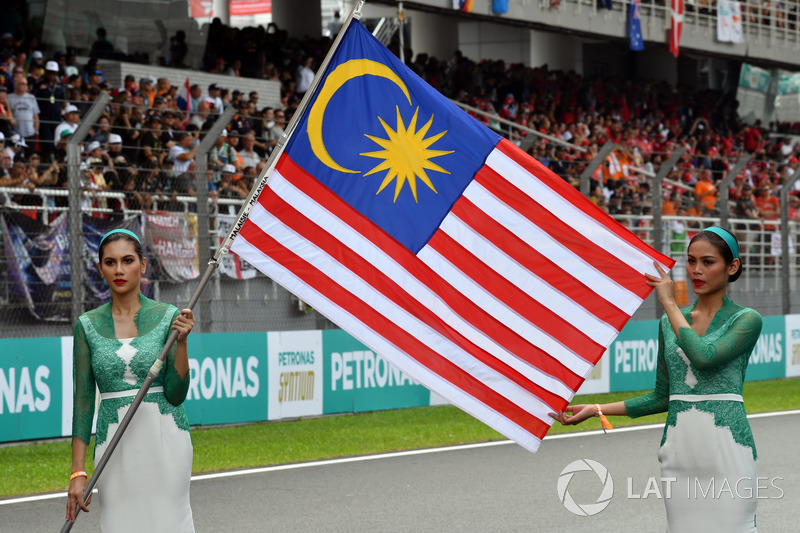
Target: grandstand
{"points": [[664, 144]]}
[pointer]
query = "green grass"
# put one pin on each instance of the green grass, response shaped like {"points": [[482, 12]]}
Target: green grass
{"points": [[44, 467]]}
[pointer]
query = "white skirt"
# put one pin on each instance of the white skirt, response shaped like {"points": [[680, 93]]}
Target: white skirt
{"points": [[145, 485], [715, 478]]}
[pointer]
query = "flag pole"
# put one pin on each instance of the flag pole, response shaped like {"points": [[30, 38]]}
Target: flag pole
{"points": [[244, 212], [259, 185]]}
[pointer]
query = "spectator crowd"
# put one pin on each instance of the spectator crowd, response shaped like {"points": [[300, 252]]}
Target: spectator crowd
{"points": [[144, 144]]}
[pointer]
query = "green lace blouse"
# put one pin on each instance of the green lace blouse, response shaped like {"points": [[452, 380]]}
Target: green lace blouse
{"points": [[714, 363], [99, 363]]}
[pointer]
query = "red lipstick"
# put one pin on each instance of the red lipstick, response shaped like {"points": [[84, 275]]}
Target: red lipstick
{"points": [[698, 282]]}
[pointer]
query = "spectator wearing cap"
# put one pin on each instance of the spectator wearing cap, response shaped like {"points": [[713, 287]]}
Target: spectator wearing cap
{"points": [[115, 151], [17, 147], [147, 92], [240, 122], [230, 187], [37, 58], [71, 120], [216, 99], [94, 79], [220, 155]]}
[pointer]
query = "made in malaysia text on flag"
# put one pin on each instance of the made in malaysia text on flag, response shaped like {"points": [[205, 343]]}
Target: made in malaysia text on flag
{"points": [[443, 246]]}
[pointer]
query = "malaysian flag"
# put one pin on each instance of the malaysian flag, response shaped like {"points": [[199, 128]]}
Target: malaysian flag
{"points": [[676, 26], [442, 246]]}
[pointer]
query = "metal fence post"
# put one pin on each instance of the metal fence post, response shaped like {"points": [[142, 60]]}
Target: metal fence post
{"points": [[724, 192], [75, 217], [785, 236], [658, 181], [203, 212], [593, 165]]}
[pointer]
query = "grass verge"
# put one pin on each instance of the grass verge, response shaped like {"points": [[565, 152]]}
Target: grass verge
{"points": [[44, 467]]}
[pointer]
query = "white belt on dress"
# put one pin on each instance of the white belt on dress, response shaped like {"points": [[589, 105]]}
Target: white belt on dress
{"points": [[124, 393], [706, 397]]}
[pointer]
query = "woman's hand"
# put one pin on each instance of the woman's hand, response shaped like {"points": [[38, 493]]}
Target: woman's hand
{"points": [[664, 286], [579, 414], [184, 324], [75, 497]]}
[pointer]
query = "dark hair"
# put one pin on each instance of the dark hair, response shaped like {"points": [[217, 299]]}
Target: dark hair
{"points": [[722, 247], [137, 246]]}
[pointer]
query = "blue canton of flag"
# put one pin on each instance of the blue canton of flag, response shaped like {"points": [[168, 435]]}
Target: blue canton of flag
{"points": [[635, 26]]}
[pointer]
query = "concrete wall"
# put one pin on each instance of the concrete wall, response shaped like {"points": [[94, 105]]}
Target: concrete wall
{"points": [[484, 40], [558, 51], [114, 72], [434, 35]]}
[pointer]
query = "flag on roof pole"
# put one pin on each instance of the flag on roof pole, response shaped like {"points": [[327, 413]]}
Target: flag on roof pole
{"points": [[635, 26], [184, 99], [442, 246], [676, 26]]}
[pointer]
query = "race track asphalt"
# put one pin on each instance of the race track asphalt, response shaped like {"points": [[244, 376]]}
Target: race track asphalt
{"points": [[495, 487]]}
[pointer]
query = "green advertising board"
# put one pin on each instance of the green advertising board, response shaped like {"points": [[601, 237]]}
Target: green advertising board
{"points": [[633, 357], [31, 387], [229, 378], [358, 380], [768, 358]]}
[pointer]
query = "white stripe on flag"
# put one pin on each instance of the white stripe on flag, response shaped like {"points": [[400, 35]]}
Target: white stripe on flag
{"points": [[500, 310], [420, 292], [371, 338], [562, 208], [415, 327], [602, 285], [527, 282]]}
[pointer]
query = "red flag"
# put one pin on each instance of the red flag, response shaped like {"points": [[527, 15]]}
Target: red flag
{"points": [[676, 16], [443, 247], [184, 99]]}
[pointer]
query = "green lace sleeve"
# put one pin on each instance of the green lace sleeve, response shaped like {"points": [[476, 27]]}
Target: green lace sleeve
{"points": [[175, 388], [740, 338], [656, 401], [83, 386]]}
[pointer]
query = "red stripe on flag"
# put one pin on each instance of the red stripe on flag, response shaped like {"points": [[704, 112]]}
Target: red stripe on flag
{"points": [[599, 258], [538, 264], [459, 303], [312, 232], [564, 189], [508, 293], [393, 333]]}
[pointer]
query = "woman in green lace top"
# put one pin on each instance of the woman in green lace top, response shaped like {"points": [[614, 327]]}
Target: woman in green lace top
{"points": [[707, 452], [145, 485]]}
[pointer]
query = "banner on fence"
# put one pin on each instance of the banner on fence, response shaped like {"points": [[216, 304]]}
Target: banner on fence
{"points": [[231, 264], [172, 244]]}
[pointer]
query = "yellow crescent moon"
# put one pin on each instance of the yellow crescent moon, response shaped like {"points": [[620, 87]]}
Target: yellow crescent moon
{"points": [[341, 75]]}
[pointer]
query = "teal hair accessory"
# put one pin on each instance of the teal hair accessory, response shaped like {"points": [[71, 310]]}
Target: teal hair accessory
{"points": [[120, 230], [727, 237]]}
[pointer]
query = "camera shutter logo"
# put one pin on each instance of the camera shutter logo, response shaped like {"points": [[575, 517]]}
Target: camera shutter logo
{"points": [[586, 509]]}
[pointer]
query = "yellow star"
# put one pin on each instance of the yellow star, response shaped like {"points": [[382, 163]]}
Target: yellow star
{"points": [[406, 155]]}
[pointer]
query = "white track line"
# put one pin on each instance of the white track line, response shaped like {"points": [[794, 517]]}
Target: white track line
{"points": [[360, 458]]}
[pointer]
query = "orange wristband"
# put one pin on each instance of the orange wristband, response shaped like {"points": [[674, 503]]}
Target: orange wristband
{"points": [[603, 420], [80, 473]]}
